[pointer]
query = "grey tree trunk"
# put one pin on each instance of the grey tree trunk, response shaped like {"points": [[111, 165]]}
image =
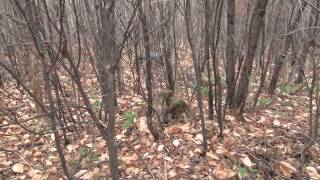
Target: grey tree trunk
{"points": [[313, 21], [280, 60], [143, 20], [230, 53], [106, 63], [165, 12], [196, 68], [254, 31], [207, 39]]}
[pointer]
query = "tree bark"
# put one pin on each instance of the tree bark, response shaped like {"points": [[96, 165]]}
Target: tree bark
{"points": [[143, 20], [280, 60], [230, 53], [254, 31], [197, 71]]}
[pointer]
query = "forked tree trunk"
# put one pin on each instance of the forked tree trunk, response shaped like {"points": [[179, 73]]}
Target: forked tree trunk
{"points": [[196, 68], [280, 60], [38, 35], [271, 50], [215, 37], [254, 31], [166, 41], [143, 20], [313, 22]]}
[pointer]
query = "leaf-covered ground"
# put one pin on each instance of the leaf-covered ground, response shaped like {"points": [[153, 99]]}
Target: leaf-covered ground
{"points": [[266, 146]]}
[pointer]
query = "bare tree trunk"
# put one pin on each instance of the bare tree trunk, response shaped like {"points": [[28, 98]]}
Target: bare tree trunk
{"points": [[271, 49], [313, 116], [254, 31], [280, 60], [136, 59], [166, 41], [143, 20], [38, 35], [215, 64], [230, 53], [34, 69], [35, 81], [313, 21], [106, 63], [120, 77], [196, 70], [301, 62], [207, 39]]}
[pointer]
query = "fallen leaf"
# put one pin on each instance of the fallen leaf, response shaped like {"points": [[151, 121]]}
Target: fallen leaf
{"points": [[262, 119], [173, 130], [82, 174], [89, 145], [34, 174], [198, 139], [54, 159], [18, 168], [6, 163], [212, 156], [53, 170], [198, 151], [312, 172], [53, 174], [172, 173], [287, 169], [176, 142], [247, 162], [160, 147], [276, 122], [224, 173], [229, 117], [70, 147]]}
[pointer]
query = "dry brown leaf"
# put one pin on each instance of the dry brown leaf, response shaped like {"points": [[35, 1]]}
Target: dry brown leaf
{"points": [[18, 168], [54, 159], [36, 177], [52, 170], [130, 158], [276, 122], [53, 174], [160, 148], [186, 127], [53, 177], [82, 174], [212, 156], [6, 163], [176, 142], [198, 139], [172, 173], [312, 172], [174, 130], [224, 173], [229, 118], [287, 169], [246, 161], [34, 174]]}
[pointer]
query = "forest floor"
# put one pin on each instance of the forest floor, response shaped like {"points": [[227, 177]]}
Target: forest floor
{"points": [[265, 146]]}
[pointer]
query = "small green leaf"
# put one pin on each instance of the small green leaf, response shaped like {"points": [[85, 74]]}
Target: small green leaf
{"points": [[290, 88], [264, 101], [278, 113], [243, 171], [129, 119], [96, 105], [205, 91], [89, 154]]}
